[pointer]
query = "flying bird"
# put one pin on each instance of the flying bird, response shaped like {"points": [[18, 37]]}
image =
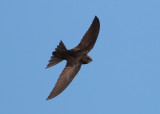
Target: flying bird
{"points": [[75, 58]]}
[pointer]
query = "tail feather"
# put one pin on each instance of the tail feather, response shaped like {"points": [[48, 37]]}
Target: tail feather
{"points": [[61, 46], [55, 60]]}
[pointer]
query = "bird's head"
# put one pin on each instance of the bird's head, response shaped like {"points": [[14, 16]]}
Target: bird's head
{"points": [[86, 59]]}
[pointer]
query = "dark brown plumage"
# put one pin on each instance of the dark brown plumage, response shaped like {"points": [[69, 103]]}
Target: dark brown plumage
{"points": [[75, 58]]}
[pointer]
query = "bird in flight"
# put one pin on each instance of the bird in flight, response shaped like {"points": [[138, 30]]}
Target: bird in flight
{"points": [[75, 58]]}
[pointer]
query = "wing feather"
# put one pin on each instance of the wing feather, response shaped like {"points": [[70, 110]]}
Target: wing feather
{"points": [[90, 37], [67, 75]]}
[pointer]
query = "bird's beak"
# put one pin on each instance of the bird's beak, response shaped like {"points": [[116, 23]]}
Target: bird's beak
{"points": [[91, 59]]}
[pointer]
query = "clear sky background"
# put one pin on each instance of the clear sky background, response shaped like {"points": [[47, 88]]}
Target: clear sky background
{"points": [[124, 77]]}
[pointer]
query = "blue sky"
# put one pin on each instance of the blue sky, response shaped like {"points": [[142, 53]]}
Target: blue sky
{"points": [[124, 77]]}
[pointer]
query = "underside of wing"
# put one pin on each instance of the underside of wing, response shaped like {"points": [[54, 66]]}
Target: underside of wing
{"points": [[90, 37], [65, 79]]}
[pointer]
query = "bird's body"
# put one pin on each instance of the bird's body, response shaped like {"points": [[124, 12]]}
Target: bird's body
{"points": [[75, 58]]}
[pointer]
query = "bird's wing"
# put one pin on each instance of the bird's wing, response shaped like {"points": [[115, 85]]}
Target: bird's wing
{"points": [[90, 37], [67, 75]]}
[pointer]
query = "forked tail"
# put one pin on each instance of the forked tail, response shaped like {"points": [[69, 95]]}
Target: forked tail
{"points": [[54, 60]]}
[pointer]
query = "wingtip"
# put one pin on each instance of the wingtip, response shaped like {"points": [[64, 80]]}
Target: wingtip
{"points": [[96, 17], [47, 99], [60, 41], [47, 67], [96, 22]]}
